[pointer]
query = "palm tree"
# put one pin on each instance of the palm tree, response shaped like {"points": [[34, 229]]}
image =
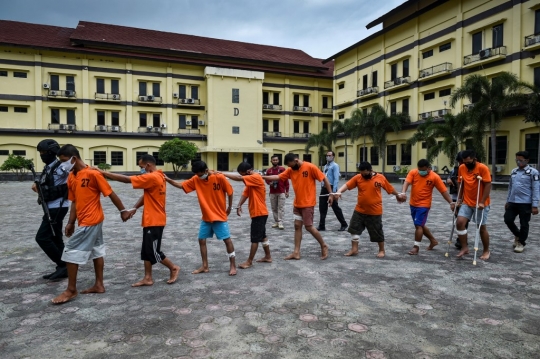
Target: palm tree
{"points": [[424, 133], [364, 122], [491, 99], [348, 128], [323, 141], [532, 113], [453, 131]]}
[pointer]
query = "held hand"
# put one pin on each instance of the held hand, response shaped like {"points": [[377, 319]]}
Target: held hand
{"points": [[70, 228], [535, 211], [239, 211], [125, 215], [132, 212], [229, 210], [452, 206], [449, 181], [287, 195], [330, 200], [480, 205], [34, 187]]}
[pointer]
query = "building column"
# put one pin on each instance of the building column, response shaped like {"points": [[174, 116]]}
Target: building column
{"points": [[129, 120], [38, 91]]}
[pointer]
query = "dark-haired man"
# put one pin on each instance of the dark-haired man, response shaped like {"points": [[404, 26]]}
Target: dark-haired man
{"points": [[522, 200], [303, 176], [211, 190], [53, 185], [85, 186], [279, 190], [452, 181], [154, 218], [423, 180], [331, 171]]}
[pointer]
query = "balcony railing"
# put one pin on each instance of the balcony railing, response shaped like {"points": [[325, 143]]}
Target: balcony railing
{"points": [[301, 135], [445, 67], [272, 107], [104, 128], [301, 109], [532, 40], [326, 110], [484, 55], [151, 129], [368, 91], [62, 127], [468, 106], [189, 101], [271, 134], [62, 93], [397, 82], [107, 96], [189, 131], [150, 99], [433, 114]]}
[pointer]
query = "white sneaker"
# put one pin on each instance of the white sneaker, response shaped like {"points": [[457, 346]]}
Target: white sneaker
{"points": [[275, 225], [516, 242], [519, 248], [280, 226]]}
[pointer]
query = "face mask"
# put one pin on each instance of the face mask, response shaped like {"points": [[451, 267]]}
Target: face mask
{"points": [[368, 176], [143, 170], [204, 176], [329, 158], [48, 158], [521, 162], [470, 165], [423, 173], [67, 166], [296, 167]]}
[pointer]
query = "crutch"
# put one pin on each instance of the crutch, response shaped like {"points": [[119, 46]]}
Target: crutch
{"points": [[454, 218], [477, 234]]}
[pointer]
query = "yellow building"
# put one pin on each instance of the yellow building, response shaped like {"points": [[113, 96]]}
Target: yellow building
{"points": [[117, 92], [423, 52]]}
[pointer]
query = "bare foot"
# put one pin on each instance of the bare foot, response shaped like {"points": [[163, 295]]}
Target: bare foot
{"points": [[380, 254], [485, 255], [95, 289], [463, 252], [64, 297], [143, 282], [432, 245], [201, 270], [245, 265], [174, 275], [232, 271], [292, 256], [351, 253], [265, 260], [324, 252], [414, 251]]}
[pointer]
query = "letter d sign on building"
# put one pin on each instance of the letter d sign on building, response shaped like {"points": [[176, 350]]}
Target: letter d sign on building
{"points": [[236, 111]]}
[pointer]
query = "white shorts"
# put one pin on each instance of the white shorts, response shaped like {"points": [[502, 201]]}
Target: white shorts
{"points": [[86, 243]]}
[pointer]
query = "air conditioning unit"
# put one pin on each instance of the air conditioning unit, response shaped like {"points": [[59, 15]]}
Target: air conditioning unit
{"points": [[484, 53], [361, 92], [434, 168], [268, 107], [424, 73], [426, 115], [150, 98], [149, 128], [115, 128], [142, 98], [443, 112], [53, 93], [188, 122], [46, 86], [62, 127], [101, 128], [297, 108], [532, 40], [305, 109], [69, 93], [370, 90], [116, 97], [201, 122], [398, 81], [175, 95], [277, 134], [396, 168], [156, 129], [163, 125], [499, 168], [71, 127], [187, 101]]}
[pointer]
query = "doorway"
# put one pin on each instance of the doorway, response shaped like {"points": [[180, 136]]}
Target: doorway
{"points": [[248, 157], [223, 161]]}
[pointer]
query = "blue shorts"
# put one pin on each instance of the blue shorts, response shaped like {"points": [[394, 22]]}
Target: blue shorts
{"points": [[419, 215], [208, 229], [470, 212]]}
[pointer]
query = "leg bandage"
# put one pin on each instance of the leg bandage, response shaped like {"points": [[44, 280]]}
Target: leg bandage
{"points": [[266, 244], [461, 233], [231, 255], [355, 237], [417, 244], [298, 218]]}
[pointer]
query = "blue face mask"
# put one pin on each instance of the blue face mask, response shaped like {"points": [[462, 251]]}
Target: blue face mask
{"points": [[423, 173], [143, 170]]}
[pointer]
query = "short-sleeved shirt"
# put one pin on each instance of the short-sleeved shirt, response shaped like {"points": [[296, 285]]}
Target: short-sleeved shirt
{"points": [[154, 186], [470, 183], [211, 193], [84, 188], [422, 187], [303, 181], [256, 192], [369, 193]]}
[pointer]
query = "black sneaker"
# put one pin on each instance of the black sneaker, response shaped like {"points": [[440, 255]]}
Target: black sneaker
{"points": [[319, 228], [60, 273], [47, 276], [457, 245], [343, 228]]}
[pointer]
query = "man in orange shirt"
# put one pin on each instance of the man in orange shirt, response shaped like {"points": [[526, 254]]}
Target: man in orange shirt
{"points": [[369, 208], [423, 180], [256, 192], [211, 190], [469, 172], [154, 218], [84, 189], [303, 176]]}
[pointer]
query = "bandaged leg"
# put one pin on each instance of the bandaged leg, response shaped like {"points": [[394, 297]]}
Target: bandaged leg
{"points": [[354, 245], [267, 257], [266, 244], [231, 255], [298, 218], [416, 248]]}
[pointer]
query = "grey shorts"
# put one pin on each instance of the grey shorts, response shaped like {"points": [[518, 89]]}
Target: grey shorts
{"points": [[86, 243], [359, 222], [469, 213]]}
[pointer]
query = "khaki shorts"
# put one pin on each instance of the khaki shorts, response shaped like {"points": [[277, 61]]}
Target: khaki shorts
{"points": [[304, 214]]}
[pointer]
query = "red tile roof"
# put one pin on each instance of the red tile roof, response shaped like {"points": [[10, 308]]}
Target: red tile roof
{"points": [[26, 34]]}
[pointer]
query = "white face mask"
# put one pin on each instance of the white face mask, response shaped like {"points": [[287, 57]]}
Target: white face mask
{"points": [[204, 176], [329, 158], [67, 165]]}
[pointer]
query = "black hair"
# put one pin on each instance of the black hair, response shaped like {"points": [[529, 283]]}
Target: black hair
{"points": [[459, 156], [69, 151], [423, 163], [364, 166], [333, 153], [523, 154], [290, 157], [198, 167], [147, 159], [468, 154], [244, 167], [275, 156]]}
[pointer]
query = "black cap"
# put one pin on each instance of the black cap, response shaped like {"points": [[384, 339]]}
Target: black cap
{"points": [[48, 145], [459, 156]]}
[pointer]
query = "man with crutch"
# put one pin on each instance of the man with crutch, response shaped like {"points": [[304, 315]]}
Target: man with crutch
{"points": [[475, 201]]}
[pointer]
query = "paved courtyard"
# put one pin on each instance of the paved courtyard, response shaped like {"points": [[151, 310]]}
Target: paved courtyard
{"points": [[402, 306]]}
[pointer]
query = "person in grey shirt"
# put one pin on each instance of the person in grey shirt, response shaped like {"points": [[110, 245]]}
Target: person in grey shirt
{"points": [[522, 200], [331, 171]]}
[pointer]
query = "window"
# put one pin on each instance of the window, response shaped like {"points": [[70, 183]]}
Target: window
{"points": [[469, 144], [266, 159], [265, 126], [406, 151], [393, 107], [19, 152], [325, 126], [296, 127], [445, 92], [427, 54], [115, 87], [3, 73], [156, 120], [429, 96], [138, 156], [117, 158], [341, 116], [393, 72], [70, 117], [497, 36], [195, 92], [391, 154], [142, 88], [55, 82], [537, 22], [3, 109], [142, 120], [537, 77], [100, 157], [341, 85], [182, 93], [194, 122], [55, 115], [70, 83], [101, 118], [306, 157], [531, 145], [306, 100], [405, 68], [182, 122], [276, 98], [374, 79], [156, 89], [405, 106], [236, 130], [158, 161], [364, 82], [276, 125], [20, 74], [341, 154], [501, 144], [364, 111], [374, 156], [265, 98], [235, 95], [476, 42], [4, 152], [21, 109], [296, 100], [115, 118], [445, 47], [363, 154], [325, 102], [100, 85], [306, 126]]}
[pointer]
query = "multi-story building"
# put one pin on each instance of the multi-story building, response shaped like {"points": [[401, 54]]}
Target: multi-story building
{"points": [[423, 52], [117, 92]]}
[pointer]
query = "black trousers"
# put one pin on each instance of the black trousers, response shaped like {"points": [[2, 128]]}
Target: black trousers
{"points": [[323, 209], [523, 210], [53, 246]]}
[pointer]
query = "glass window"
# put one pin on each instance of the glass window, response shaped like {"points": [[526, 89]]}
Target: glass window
{"points": [[374, 79], [429, 96], [4, 152], [501, 150], [406, 157], [341, 116], [374, 156], [325, 102], [101, 118], [306, 126], [296, 100], [275, 123], [405, 106], [138, 156], [531, 145], [156, 120], [70, 83], [70, 117], [55, 82], [236, 130], [182, 91], [194, 122], [158, 161], [115, 87], [100, 157], [115, 118], [55, 115], [156, 89], [445, 47], [391, 155], [142, 120], [19, 152], [306, 100], [276, 98], [100, 85], [265, 98], [235, 95], [3, 109], [265, 125], [21, 109], [306, 157], [325, 126], [406, 68], [537, 22], [497, 36], [341, 85], [266, 159], [296, 127], [427, 54], [195, 92], [142, 88], [445, 92], [364, 82], [20, 74], [476, 42], [182, 122], [393, 72], [117, 158], [393, 107], [537, 77], [3, 73], [362, 153]]}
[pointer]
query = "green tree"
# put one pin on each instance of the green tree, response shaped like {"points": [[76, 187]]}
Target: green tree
{"points": [[363, 122], [532, 113], [491, 99], [177, 152], [104, 166], [453, 132], [424, 133], [17, 164], [323, 141], [348, 128]]}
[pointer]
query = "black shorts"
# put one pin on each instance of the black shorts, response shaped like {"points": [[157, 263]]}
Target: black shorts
{"points": [[258, 229], [360, 222], [151, 245]]}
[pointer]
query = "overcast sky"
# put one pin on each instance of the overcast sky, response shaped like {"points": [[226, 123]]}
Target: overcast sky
{"points": [[319, 27]]}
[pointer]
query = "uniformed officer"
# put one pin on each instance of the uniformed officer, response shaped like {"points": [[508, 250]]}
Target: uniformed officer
{"points": [[522, 200]]}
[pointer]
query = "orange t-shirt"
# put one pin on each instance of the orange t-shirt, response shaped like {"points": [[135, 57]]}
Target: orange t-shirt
{"points": [[84, 188], [211, 193], [470, 183], [422, 187], [256, 192], [369, 193], [154, 186], [303, 181]]}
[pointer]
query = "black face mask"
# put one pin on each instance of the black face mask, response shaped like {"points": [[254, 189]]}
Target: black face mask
{"points": [[470, 165], [296, 167], [368, 176], [48, 158]]}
